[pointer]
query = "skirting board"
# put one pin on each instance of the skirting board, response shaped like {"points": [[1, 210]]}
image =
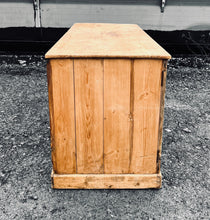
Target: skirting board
{"points": [[106, 181]]}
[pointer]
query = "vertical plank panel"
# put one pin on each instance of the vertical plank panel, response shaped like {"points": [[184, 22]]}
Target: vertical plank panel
{"points": [[89, 114], [61, 100], [162, 100], [51, 114], [116, 115], [147, 86]]}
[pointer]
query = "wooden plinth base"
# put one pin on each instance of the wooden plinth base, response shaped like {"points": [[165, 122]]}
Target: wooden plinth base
{"points": [[106, 181]]}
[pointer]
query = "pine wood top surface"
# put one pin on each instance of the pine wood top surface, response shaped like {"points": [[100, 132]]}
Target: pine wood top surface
{"points": [[85, 40]]}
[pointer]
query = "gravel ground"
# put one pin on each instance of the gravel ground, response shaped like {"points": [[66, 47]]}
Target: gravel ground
{"points": [[25, 158]]}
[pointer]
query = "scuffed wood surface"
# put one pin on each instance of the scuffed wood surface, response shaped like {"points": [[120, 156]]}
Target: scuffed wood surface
{"points": [[106, 40], [106, 181], [116, 115], [161, 118], [62, 120], [88, 74], [147, 85], [108, 108], [112, 107]]}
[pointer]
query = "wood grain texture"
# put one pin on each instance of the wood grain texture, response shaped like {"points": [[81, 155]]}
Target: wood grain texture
{"points": [[62, 123], [88, 75], [147, 85], [106, 40], [51, 114], [116, 115], [161, 118], [106, 181]]}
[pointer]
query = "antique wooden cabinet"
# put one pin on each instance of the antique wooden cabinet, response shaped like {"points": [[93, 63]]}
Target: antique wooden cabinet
{"points": [[106, 98]]}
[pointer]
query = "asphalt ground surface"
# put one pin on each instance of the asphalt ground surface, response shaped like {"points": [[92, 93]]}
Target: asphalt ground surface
{"points": [[25, 154]]}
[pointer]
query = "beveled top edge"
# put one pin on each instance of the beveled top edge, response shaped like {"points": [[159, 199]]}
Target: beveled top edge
{"points": [[106, 41]]}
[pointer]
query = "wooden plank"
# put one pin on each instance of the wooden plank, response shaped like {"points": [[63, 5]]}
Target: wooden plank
{"points": [[147, 86], [62, 123], [88, 75], [116, 115], [51, 114], [162, 100], [107, 40], [106, 181]]}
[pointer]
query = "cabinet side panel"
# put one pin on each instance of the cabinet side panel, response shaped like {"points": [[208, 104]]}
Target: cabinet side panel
{"points": [[88, 75], [162, 100], [61, 100], [51, 114], [117, 115], [146, 110]]}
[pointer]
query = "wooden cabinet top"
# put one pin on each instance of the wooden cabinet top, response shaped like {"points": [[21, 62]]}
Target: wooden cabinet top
{"points": [[84, 40]]}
